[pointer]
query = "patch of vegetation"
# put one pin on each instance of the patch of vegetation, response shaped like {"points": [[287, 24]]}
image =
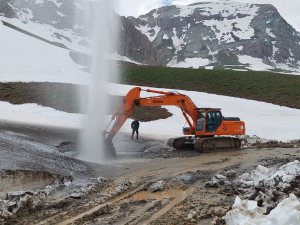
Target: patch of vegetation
{"points": [[62, 97], [280, 89]]}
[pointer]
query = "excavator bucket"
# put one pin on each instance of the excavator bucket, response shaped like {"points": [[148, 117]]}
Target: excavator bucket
{"points": [[109, 149]]}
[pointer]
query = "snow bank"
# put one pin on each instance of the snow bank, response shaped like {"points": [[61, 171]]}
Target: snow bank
{"points": [[287, 173], [38, 115], [274, 191], [27, 59], [253, 63], [246, 212], [195, 63]]}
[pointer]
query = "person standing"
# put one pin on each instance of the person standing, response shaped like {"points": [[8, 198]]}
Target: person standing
{"points": [[135, 125]]}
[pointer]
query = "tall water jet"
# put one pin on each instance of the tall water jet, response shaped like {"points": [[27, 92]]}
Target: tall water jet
{"points": [[103, 32]]}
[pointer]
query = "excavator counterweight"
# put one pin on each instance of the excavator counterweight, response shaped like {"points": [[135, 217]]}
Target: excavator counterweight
{"points": [[208, 129]]}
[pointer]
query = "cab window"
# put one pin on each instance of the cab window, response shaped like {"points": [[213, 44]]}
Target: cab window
{"points": [[213, 121]]}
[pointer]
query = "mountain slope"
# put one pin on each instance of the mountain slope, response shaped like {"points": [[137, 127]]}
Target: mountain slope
{"points": [[222, 34], [27, 59], [61, 23]]}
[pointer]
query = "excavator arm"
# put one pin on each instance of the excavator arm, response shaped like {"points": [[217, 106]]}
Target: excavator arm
{"points": [[132, 99]]}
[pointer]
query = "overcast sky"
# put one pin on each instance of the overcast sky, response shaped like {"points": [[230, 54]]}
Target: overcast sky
{"points": [[289, 9]]}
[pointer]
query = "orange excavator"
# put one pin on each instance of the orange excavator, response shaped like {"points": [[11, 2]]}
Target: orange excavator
{"points": [[208, 129]]}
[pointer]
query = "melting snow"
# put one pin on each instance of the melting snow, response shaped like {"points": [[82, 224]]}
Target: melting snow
{"points": [[150, 32], [117, 56], [255, 64], [287, 212], [189, 63], [246, 212], [261, 173], [178, 41], [224, 29], [269, 32]]}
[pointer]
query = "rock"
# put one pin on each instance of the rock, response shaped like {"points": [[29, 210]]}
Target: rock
{"points": [[231, 174], [219, 211], [123, 186], [155, 187], [220, 177], [136, 45], [191, 214], [186, 178], [217, 180], [76, 195]]}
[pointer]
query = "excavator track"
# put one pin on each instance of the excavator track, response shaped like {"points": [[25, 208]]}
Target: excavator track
{"points": [[206, 145], [181, 143]]}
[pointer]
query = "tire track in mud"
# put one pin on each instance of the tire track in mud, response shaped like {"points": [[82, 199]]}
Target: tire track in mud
{"points": [[143, 177], [180, 198], [110, 201]]}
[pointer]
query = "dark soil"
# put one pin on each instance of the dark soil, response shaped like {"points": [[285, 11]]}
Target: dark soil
{"points": [[65, 97]]}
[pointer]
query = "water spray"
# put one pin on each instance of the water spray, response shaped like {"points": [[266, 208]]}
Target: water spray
{"points": [[103, 32]]}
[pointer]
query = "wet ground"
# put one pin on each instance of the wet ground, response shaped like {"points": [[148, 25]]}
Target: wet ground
{"points": [[150, 183]]}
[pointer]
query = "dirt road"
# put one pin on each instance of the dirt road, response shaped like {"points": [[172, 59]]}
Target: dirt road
{"points": [[149, 184]]}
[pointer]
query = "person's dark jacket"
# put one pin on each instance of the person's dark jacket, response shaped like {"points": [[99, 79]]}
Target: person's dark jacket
{"points": [[135, 125]]}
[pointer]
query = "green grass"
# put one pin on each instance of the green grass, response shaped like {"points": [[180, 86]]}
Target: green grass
{"points": [[269, 87]]}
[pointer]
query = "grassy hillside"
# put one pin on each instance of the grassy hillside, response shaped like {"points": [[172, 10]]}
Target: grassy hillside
{"points": [[269, 87]]}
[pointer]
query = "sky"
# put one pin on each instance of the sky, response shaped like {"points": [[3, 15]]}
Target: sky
{"points": [[289, 9]]}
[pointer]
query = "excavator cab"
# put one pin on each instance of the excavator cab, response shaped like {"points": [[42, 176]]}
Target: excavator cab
{"points": [[208, 121]]}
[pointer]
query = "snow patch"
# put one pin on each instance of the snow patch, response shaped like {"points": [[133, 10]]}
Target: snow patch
{"points": [[245, 212], [150, 32], [239, 27], [119, 57], [269, 32], [38, 115], [287, 173], [189, 63], [255, 64]]}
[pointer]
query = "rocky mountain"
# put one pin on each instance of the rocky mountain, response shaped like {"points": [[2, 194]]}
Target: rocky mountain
{"points": [[222, 34], [217, 34], [136, 45]]}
